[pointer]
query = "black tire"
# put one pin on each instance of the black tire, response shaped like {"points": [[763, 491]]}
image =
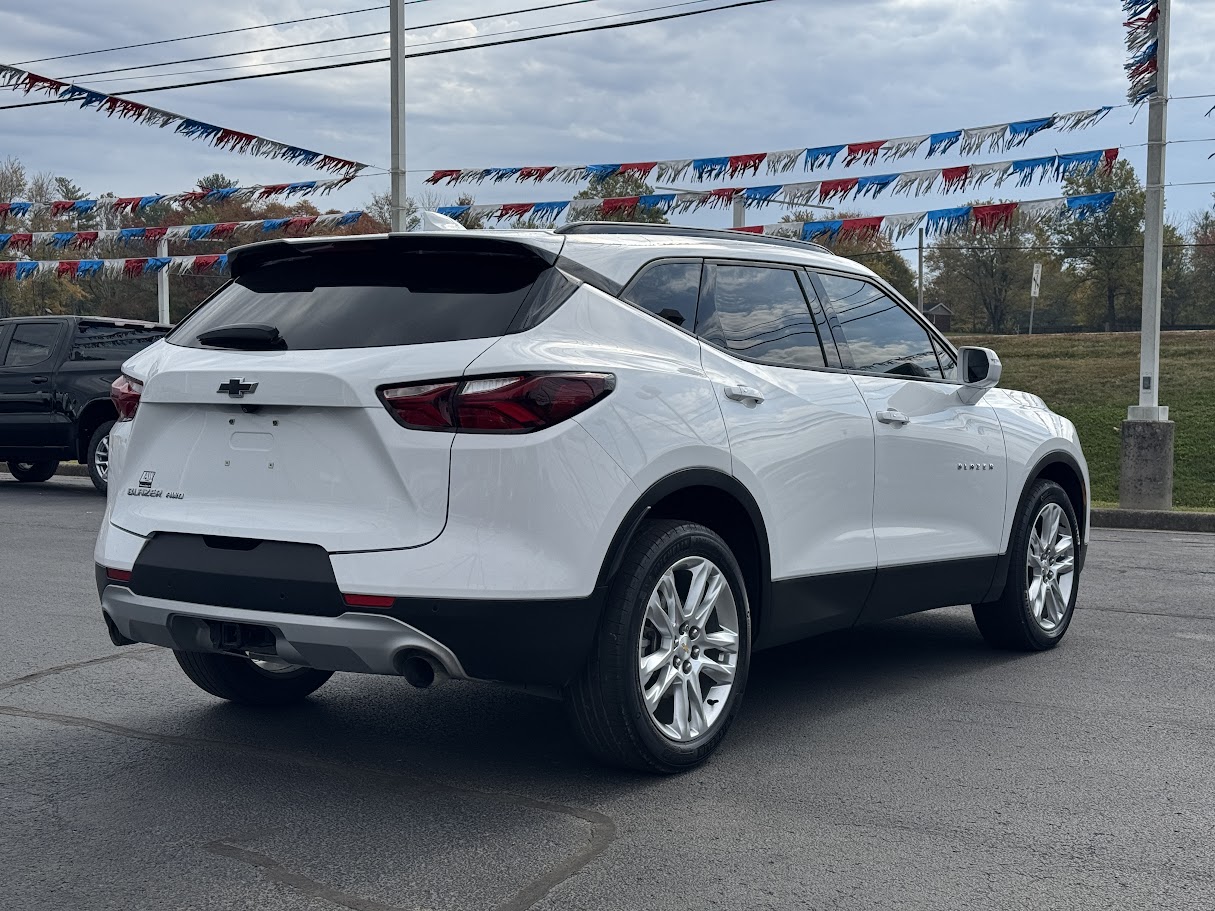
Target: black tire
{"points": [[100, 434], [1009, 622], [33, 472], [605, 702], [238, 679]]}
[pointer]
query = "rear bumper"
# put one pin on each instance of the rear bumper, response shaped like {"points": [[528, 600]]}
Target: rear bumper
{"points": [[541, 643]]}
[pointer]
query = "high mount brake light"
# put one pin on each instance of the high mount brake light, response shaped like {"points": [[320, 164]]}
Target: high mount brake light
{"points": [[125, 393], [500, 404]]}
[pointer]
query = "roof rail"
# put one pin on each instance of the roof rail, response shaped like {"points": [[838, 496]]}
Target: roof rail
{"points": [[628, 227]]}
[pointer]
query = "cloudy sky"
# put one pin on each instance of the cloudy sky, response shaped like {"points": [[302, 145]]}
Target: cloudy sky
{"points": [[780, 75]]}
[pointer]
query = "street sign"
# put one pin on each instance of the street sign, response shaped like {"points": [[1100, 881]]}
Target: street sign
{"points": [[1037, 284]]}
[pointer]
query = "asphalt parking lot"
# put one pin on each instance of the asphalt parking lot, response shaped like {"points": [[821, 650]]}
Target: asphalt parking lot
{"points": [[899, 766]]}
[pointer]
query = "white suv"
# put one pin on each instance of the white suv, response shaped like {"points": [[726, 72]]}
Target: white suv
{"points": [[608, 462]]}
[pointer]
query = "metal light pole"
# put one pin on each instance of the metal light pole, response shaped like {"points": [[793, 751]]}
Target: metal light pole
{"points": [[740, 212], [920, 293], [1147, 434], [162, 283], [397, 199]]}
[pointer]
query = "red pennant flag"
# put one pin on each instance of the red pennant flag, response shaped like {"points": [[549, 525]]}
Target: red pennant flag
{"points": [[60, 206], [272, 189], [866, 152], [992, 218], [85, 239], [725, 194], [134, 267], [224, 229], [194, 196], [955, 178], [126, 203], [861, 228], [4, 207], [234, 140], [741, 164], [300, 224], [536, 174], [154, 233], [620, 204], [750, 229], [640, 168], [1111, 155], [21, 241], [33, 82], [451, 176], [8, 269], [514, 210], [205, 262], [67, 268], [836, 189]]}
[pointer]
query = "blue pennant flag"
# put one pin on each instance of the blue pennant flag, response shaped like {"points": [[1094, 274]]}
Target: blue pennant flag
{"points": [[300, 156], [1084, 163], [20, 208], [349, 218], [156, 264], [196, 128], [62, 239], [452, 211], [299, 187], [83, 206], [548, 211], [146, 201], [947, 221], [656, 200], [26, 268], [4, 239], [497, 175], [126, 235], [815, 229], [940, 143], [823, 156], [710, 168], [762, 194], [1093, 204], [601, 171], [201, 232], [1029, 168], [1022, 131], [274, 224], [220, 195], [89, 267], [221, 264], [874, 185]]}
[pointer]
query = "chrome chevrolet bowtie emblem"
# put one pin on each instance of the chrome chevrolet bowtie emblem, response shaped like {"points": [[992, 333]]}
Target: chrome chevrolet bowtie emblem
{"points": [[237, 388]]}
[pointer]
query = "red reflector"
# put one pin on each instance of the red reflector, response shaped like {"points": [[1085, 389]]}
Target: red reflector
{"points": [[368, 601], [117, 575]]}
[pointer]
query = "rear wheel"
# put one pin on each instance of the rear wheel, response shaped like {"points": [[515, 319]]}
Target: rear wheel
{"points": [[669, 666], [33, 472], [99, 456], [1039, 596], [252, 681]]}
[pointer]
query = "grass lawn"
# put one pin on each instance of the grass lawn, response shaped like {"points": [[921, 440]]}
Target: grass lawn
{"points": [[1092, 378]]}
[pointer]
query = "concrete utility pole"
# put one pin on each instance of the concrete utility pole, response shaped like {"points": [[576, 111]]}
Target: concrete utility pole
{"points": [[398, 199], [162, 283], [1147, 434], [740, 212]]}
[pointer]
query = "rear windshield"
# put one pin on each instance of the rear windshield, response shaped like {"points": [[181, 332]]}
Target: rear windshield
{"points": [[374, 295]]}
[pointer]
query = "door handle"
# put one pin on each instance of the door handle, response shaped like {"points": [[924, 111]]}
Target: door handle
{"points": [[39, 380], [744, 394], [893, 417]]}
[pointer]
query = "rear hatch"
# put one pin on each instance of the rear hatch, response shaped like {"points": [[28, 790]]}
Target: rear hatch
{"points": [[261, 419]]}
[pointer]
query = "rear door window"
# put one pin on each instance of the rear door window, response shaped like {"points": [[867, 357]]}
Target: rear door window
{"points": [[380, 294], [669, 290], [31, 344], [99, 342], [760, 313]]}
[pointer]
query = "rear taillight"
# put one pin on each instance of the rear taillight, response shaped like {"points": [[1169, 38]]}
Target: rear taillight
{"points": [[500, 404], [124, 393]]}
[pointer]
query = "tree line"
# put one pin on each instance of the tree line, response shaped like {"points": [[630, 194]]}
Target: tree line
{"points": [[1091, 269]]}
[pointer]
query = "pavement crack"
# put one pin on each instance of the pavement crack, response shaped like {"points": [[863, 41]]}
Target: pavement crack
{"points": [[75, 665], [602, 826]]}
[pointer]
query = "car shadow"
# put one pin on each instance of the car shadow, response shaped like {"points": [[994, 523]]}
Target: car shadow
{"points": [[61, 488], [477, 732]]}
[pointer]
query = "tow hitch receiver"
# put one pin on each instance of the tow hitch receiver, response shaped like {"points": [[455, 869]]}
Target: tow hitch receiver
{"points": [[240, 637]]}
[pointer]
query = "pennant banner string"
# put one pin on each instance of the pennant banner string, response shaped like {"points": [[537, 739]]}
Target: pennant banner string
{"points": [[913, 183], [1143, 47], [984, 219], [201, 197], [20, 80], [209, 264], [86, 240], [997, 138]]}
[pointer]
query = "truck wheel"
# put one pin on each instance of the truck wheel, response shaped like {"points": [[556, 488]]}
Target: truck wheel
{"points": [[667, 671], [33, 471], [252, 682], [99, 456]]}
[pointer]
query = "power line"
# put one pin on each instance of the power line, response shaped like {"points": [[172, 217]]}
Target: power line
{"points": [[286, 47], [451, 50], [531, 28]]}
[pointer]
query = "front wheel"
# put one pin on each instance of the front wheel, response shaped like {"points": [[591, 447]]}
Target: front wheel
{"points": [[669, 666], [99, 456], [252, 681], [1040, 591], [33, 472]]}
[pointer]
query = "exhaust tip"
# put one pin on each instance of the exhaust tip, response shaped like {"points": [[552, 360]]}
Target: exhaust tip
{"points": [[417, 669]]}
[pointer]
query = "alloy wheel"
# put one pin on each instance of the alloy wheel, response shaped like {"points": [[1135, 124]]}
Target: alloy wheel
{"points": [[687, 653], [101, 458], [1051, 567]]}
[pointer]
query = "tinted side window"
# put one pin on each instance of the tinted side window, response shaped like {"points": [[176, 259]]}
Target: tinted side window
{"points": [[669, 290], [761, 313], [111, 343], [31, 344], [882, 336]]}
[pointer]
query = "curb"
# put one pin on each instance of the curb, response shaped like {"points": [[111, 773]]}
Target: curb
{"points": [[1154, 520], [73, 470]]}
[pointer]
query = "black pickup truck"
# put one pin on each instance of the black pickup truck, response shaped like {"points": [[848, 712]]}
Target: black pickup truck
{"points": [[55, 376]]}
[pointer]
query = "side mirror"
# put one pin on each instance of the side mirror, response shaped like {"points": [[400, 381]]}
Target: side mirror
{"points": [[979, 369]]}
